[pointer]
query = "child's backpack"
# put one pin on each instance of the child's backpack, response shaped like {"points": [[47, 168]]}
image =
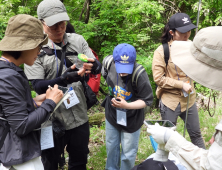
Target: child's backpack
{"points": [[94, 80], [135, 75]]}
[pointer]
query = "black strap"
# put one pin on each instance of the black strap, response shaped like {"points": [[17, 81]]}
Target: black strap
{"points": [[4, 134], [166, 52], [62, 61]]}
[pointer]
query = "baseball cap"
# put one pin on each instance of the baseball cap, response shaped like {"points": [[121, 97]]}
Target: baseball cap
{"points": [[52, 12], [181, 22], [23, 32], [124, 56]]}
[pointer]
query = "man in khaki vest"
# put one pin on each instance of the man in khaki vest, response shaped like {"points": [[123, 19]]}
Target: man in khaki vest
{"points": [[46, 70]]}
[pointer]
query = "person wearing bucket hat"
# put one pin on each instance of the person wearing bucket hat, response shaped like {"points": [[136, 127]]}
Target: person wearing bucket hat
{"points": [[19, 143], [173, 85], [55, 64], [124, 106], [203, 53]]}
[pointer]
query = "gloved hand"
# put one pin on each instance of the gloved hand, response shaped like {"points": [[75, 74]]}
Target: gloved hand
{"points": [[96, 65], [159, 133], [93, 66], [70, 76]]}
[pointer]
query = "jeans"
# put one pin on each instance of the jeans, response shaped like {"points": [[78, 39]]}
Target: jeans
{"points": [[193, 124], [129, 144]]}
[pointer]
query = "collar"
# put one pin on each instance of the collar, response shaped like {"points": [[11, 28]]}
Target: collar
{"points": [[10, 65], [49, 44]]}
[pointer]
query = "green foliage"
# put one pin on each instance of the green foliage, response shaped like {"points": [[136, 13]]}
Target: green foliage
{"points": [[139, 23], [33, 93]]}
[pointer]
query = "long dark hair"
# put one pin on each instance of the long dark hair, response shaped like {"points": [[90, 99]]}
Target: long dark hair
{"points": [[166, 36]]}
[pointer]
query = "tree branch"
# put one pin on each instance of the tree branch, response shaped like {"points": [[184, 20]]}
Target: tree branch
{"points": [[83, 9]]}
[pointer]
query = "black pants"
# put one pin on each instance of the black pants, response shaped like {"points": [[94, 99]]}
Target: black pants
{"points": [[77, 140]]}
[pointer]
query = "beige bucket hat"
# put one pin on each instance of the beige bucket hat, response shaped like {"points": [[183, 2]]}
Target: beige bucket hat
{"points": [[201, 59], [23, 32]]}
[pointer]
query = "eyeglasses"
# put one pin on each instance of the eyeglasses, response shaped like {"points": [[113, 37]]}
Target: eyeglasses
{"points": [[62, 24]]}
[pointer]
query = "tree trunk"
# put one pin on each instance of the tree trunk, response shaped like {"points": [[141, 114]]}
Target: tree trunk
{"points": [[83, 9], [87, 12]]}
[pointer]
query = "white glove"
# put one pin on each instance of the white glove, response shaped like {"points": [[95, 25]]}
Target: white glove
{"points": [[159, 133]]}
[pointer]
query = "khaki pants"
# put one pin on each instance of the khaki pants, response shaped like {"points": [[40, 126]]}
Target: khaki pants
{"points": [[34, 164]]}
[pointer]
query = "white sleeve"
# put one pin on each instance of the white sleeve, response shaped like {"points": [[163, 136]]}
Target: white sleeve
{"points": [[191, 156]]}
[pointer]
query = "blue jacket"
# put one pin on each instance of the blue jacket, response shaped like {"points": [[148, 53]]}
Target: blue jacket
{"points": [[16, 105]]}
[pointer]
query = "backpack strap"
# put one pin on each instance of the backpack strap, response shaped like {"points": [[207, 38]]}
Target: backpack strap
{"points": [[107, 61], [106, 65], [62, 60], [136, 73], [46, 50], [166, 53]]}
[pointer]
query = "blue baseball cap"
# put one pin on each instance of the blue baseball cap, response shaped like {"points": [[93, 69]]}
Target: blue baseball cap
{"points": [[124, 56]]}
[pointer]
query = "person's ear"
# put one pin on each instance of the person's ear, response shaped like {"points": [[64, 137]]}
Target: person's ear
{"points": [[171, 32]]}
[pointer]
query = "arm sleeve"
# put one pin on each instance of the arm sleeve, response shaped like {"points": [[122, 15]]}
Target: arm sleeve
{"points": [[159, 73], [86, 50], [144, 89], [191, 156], [36, 71], [41, 86], [15, 106]]}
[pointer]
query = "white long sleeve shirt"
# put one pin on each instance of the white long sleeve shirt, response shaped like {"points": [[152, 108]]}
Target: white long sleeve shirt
{"points": [[195, 158]]}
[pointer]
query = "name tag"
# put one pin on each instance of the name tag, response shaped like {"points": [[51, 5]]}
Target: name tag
{"points": [[121, 117], [72, 100], [185, 94], [46, 138]]}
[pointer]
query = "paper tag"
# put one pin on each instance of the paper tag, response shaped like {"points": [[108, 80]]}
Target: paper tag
{"points": [[46, 138], [121, 117], [71, 101], [185, 94]]}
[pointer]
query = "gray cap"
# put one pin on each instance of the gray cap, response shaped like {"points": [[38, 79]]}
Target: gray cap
{"points": [[52, 12]]}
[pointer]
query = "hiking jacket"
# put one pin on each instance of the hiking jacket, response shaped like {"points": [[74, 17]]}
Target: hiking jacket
{"points": [[46, 68], [16, 105], [195, 158], [170, 80]]}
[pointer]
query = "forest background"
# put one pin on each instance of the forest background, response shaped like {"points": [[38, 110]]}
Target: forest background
{"points": [[107, 23]]}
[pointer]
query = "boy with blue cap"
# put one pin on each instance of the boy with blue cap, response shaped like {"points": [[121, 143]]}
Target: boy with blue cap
{"points": [[124, 106]]}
